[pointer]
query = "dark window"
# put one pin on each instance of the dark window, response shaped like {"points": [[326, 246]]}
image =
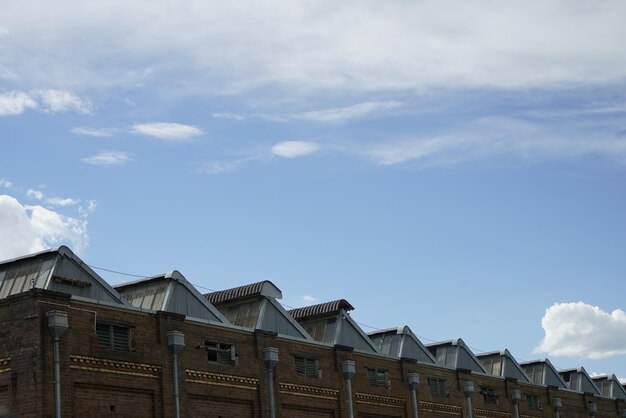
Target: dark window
{"points": [[306, 366], [378, 377], [438, 387], [533, 402], [489, 395], [114, 337], [221, 353]]}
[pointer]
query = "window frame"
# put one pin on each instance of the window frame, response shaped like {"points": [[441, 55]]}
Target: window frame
{"points": [[224, 353], [438, 387], [116, 335], [306, 366], [378, 377]]}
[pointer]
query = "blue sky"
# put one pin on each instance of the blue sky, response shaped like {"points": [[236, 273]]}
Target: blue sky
{"points": [[458, 167]]}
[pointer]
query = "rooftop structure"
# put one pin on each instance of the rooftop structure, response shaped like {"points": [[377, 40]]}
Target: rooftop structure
{"points": [[169, 292], [579, 380], [255, 306], [455, 354], [610, 386], [542, 372], [401, 342], [59, 270], [330, 323], [502, 364]]}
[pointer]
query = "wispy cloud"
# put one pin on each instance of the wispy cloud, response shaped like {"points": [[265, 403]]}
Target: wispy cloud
{"points": [[100, 133], [5, 183], [167, 131], [582, 330], [492, 136], [108, 158], [308, 300], [295, 149], [228, 115], [51, 200], [48, 101], [224, 166], [27, 229], [365, 47], [342, 114], [58, 101], [16, 103]]}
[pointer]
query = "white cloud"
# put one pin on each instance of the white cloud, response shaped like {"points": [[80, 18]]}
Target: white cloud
{"points": [[27, 229], [295, 149], [341, 114], [49, 101], [92, 132], [108, 158], [228, 115], [16, 103], [35, 194], [224, 167], [353, 45], [6, 183], [308, 300], [87, 209], [486, 137], [582, 330], [59, 101], [52, 201], [167, 131]]}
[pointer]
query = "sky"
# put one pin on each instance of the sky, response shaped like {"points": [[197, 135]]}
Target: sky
{"points": [[457, 167]]}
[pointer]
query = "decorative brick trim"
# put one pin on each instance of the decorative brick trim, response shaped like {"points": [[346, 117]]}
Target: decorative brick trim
{"points": [[370, 399], [308, 391], [529, 416], [4, 364], [114, 366], [218, 379], [441, 408], [483, 413]]}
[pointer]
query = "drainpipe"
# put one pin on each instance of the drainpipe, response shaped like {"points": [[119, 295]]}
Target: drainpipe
{"points": [[516, 396], [468, 389], [57, 325], [349, 370], [414, 380], [557, 404], [270, 355], [592, 408], [175, 343]]}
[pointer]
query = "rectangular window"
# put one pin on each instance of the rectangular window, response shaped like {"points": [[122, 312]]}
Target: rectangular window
{"points": [[378, 377], [221, 353], [493, 365], [533, 402], [438, 387], [114, 337], [306, 366], [489, 395]]}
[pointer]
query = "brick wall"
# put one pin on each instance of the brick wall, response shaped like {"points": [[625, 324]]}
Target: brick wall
{"points": [[100, 381]]}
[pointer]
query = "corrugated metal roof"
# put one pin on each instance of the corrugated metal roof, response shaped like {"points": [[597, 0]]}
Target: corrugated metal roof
{"points": [[58, 270], [321, 309], [264, 288]]}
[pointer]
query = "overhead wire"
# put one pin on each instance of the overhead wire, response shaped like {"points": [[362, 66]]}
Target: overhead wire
{"points": [[421, 337]]}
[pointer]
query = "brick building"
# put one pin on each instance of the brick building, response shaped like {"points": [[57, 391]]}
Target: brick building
{"points": [[71, 345]]}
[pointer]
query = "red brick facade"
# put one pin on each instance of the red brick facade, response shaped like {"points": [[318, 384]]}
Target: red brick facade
{"points": [[101, 382]]}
